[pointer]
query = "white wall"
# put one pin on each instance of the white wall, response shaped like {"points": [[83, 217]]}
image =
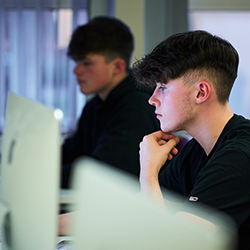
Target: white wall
{"points": [[132, 13], [231, 25], [219, 4]]}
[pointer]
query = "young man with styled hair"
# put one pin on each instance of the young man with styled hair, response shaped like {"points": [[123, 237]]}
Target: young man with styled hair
{"points": [[193, 74], [113, 123]]}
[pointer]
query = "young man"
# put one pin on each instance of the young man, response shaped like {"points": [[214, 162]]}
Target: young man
{"points": [[114, 122], [194, 73]]}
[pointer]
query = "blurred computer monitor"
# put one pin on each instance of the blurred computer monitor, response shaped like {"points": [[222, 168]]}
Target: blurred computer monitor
{"points": [[110, 216], [29, 175]]}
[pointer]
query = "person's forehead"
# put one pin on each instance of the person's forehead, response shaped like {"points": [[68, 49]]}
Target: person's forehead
{"points": [[180, 79], [89, 56]]}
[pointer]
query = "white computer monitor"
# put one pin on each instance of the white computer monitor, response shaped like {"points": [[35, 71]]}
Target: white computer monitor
{"points": [[110, 216], [29, 175]]}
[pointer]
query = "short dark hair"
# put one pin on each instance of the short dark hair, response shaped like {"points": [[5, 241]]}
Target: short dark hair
{"points": [[191, 54], [102, 35]]}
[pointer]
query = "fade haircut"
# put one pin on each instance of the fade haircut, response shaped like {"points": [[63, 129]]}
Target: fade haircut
{"points": [[107, 36], [191, 55]]}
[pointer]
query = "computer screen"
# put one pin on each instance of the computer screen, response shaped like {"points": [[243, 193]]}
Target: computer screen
{"points": [[111, 216], [29, 175]]}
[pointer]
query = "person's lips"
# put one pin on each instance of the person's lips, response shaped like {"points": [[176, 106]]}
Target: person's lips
{"points": [[81, 81], [158, 115]]}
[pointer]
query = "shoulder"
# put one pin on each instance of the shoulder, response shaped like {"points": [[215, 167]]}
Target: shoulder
{"points": [[232, 157], [236, 126], [135, 99], [131, 90], [236, 136]]}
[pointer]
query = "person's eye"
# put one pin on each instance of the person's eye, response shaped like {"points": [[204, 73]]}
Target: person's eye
{"points": [[85, 63], [162, 87]]}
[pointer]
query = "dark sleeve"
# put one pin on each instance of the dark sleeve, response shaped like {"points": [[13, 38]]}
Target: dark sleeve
{"points": [[70, 152], [73, 146], [119, 144], [70, 148], [224, 184]]}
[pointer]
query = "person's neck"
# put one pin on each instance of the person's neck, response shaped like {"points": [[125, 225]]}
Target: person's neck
{"points": [[116, 80], [210, 125]]}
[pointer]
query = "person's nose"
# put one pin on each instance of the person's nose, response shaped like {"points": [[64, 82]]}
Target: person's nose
{"points": [[154, 100], [78, 69]]}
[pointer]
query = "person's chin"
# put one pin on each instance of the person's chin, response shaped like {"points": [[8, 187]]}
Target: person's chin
{"points": [[85, 91], [164, 128], [167, 129]]}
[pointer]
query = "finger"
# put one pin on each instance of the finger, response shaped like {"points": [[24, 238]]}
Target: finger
{"points": [[162, 142], [170, 145], [167, 136], [170, 157], [159, 135], [174, 151], [173, 142]]}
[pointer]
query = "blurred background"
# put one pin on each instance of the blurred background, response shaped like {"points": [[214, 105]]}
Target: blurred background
{"points": [[34, 36]]}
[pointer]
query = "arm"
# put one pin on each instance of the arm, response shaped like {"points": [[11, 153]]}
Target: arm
{"points": [[64, 222], [154, 152]]}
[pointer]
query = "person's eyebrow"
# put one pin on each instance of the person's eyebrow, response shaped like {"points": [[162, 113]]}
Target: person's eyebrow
{"points": [[79, 58]]}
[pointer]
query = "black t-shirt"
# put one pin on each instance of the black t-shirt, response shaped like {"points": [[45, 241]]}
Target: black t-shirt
{"points": [[111, 130], [221, 179]]}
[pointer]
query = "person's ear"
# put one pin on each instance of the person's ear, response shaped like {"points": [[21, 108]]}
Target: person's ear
{"points": [[203, 91], [120, 66]]}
